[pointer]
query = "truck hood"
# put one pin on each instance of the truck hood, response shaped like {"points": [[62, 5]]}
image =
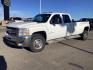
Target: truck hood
{"points": [[22, 24]]}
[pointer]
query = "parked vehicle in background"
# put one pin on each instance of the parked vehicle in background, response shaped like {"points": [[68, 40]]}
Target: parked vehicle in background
{"points": [[27, 19], [16, 19], [90, 22], [45, 28]]}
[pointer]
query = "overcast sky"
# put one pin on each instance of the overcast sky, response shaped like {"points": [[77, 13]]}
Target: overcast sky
{"points": [[29, 8]]}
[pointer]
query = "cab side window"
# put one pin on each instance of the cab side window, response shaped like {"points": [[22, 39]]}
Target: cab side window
{"points": [[66, 19], [56, 19]]}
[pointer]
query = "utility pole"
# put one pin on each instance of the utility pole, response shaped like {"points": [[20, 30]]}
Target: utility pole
{"points": [[40, 6], [6, 4]]}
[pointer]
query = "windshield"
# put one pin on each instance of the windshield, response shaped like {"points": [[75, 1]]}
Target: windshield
{"points": [[41, 18]]}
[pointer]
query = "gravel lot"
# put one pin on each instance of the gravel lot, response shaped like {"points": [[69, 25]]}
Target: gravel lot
{"points": [[70, 54]]}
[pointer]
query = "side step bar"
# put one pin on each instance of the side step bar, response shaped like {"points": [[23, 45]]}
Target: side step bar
{"points": [[61, 39]]}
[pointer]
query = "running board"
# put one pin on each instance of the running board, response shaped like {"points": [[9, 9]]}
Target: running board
{"points": [[73, 36], [61, 39]]}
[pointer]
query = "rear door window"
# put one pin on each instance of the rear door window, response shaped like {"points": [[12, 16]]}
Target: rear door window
{"points": [[66, 19]]}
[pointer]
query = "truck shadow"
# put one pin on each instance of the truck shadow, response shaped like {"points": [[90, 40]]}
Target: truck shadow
{"points": [[76, 47], [3, 64], [79, 38]]}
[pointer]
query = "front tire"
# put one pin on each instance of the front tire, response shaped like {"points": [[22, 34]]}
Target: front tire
{"points": [[84, 35], [37, 43]]}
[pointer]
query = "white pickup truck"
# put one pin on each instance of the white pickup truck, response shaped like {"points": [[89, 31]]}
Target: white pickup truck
{"points": [[44, 28]]}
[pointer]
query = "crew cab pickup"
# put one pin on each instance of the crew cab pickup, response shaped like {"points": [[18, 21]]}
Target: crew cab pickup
{"points": [[45, 28]]}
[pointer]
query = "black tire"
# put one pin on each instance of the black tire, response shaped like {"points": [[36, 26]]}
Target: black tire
{"points": [[84, 35], [37, 43]]}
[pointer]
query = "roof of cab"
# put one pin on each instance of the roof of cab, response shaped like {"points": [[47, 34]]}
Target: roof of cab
{"points": [[54, 13]]}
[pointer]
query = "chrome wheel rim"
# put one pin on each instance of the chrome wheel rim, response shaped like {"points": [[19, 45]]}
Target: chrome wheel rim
{"points": [[38, 44], [85, 35]]}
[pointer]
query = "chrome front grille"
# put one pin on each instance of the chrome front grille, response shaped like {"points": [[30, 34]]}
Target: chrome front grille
{"points": [[12, 31]]}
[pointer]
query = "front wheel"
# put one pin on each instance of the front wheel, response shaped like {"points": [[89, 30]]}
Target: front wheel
{"points": [[84, 35], [37, 43]]}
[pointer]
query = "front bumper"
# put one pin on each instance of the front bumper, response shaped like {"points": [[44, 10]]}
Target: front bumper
{"points": [[20, 41]]}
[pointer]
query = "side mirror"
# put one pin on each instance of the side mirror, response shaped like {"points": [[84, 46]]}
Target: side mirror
{"points": [[73, 20], [52, 22]]}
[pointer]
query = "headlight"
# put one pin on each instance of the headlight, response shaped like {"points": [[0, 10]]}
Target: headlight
{"points": [[23, 32]]}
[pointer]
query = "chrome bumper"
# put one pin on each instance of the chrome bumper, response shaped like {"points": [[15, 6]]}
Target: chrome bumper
{"points": [[21, 41]]}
